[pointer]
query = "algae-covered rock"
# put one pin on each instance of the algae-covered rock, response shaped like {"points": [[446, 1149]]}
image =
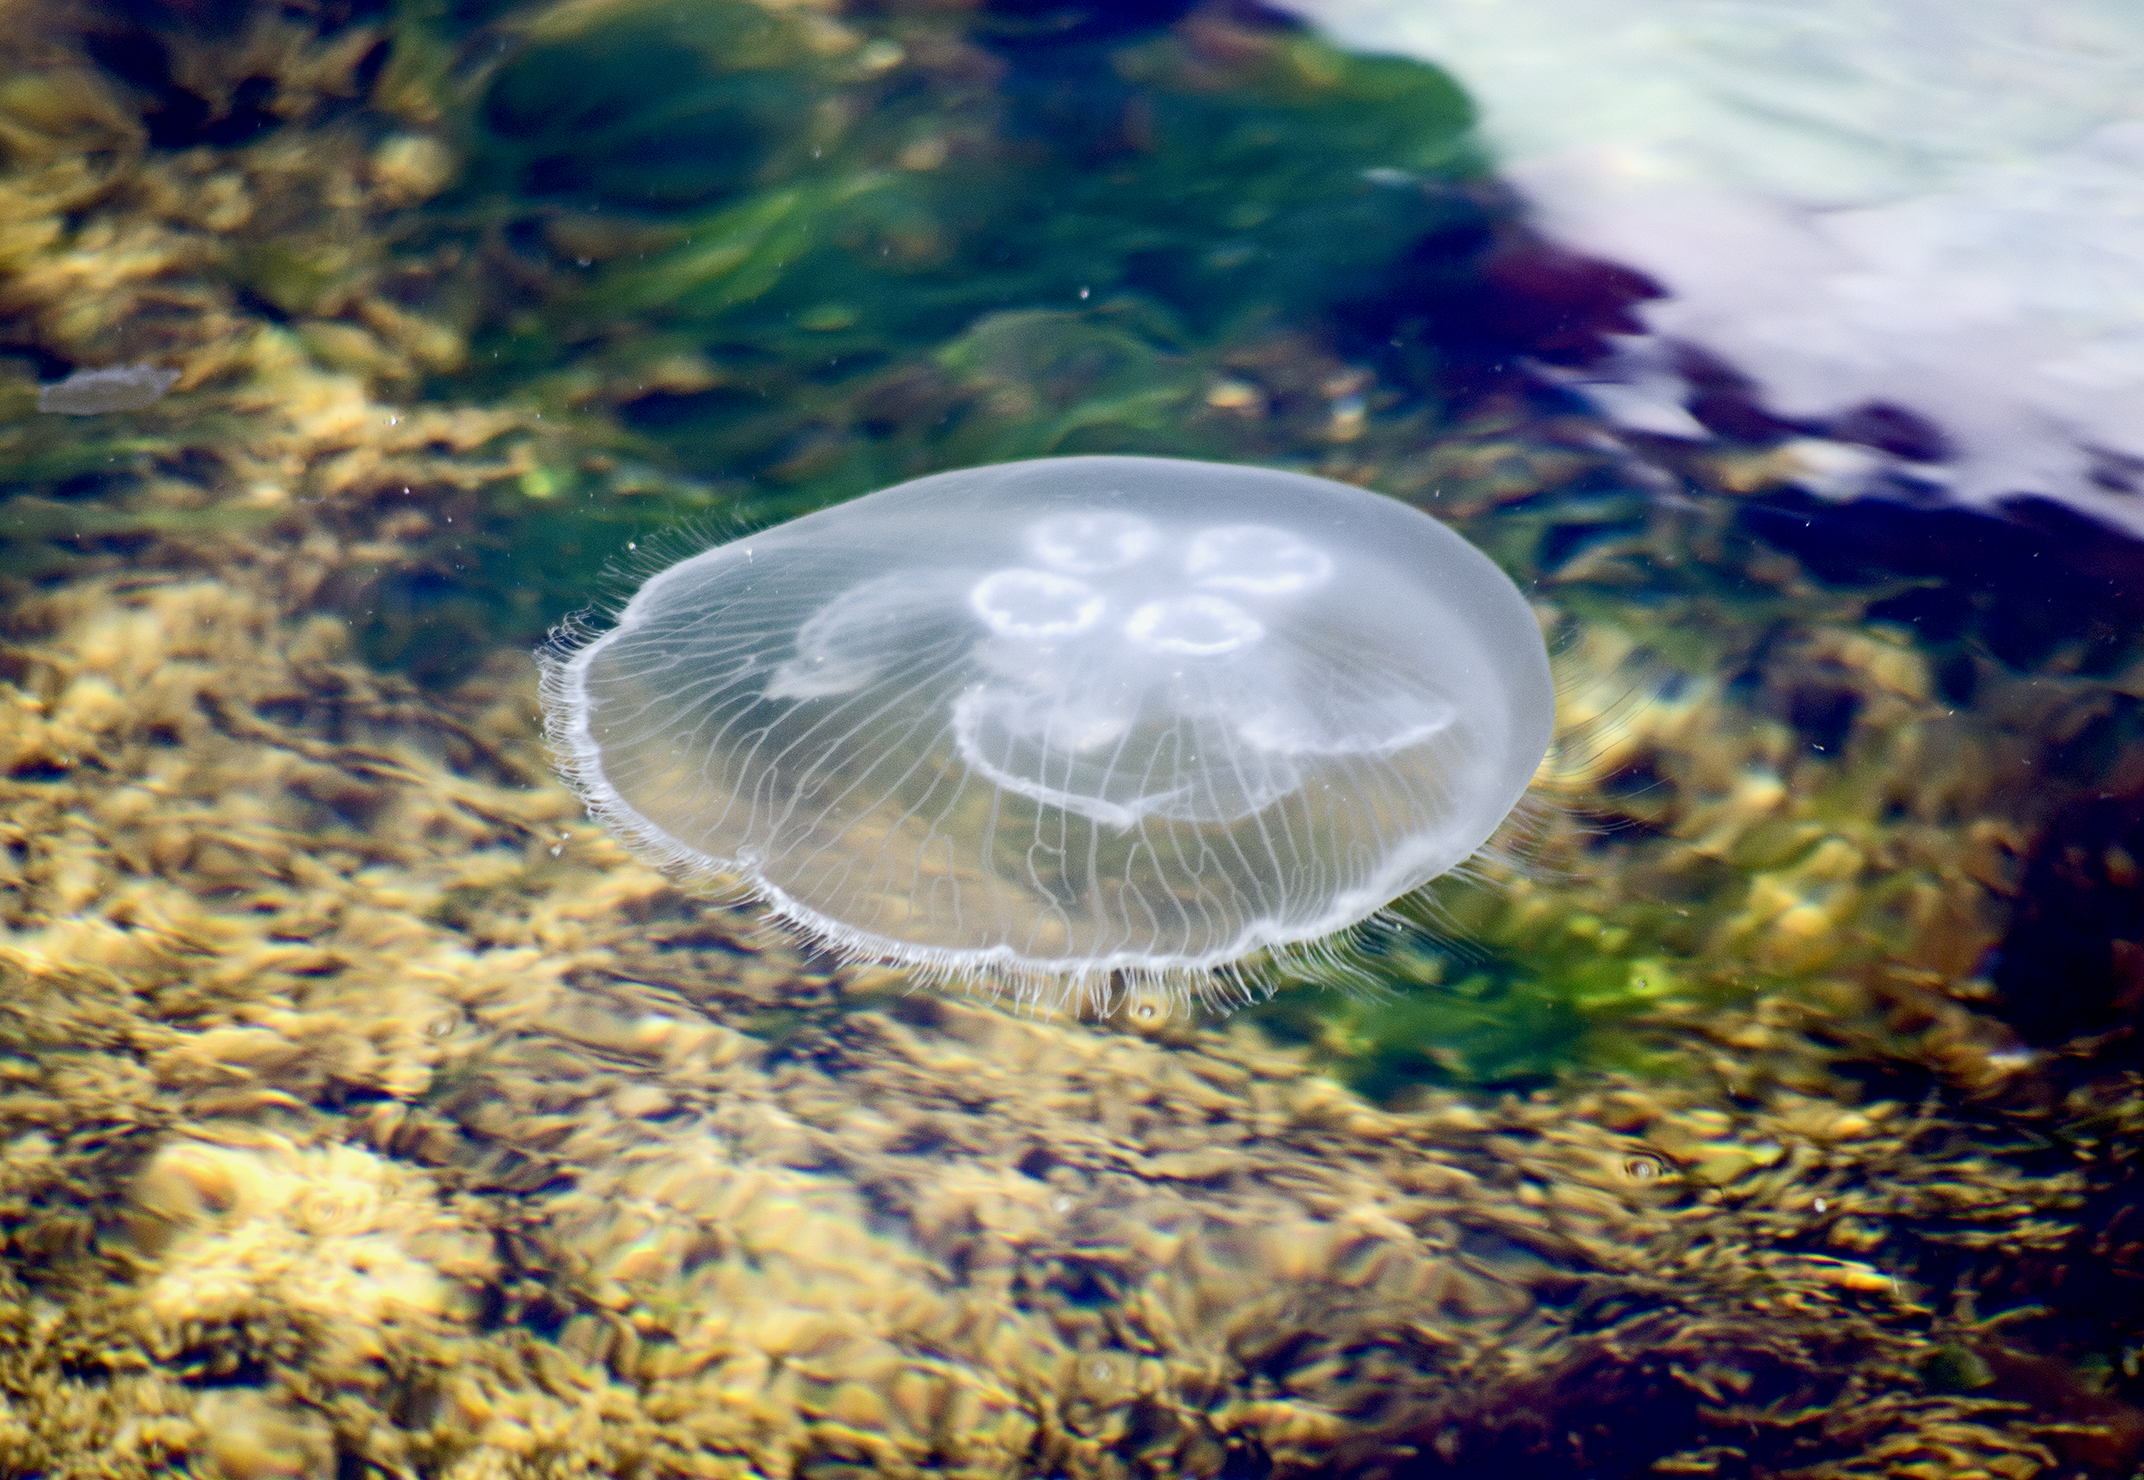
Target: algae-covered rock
{"points": [[406, 1094], [252, 1223], [362, 1107]]}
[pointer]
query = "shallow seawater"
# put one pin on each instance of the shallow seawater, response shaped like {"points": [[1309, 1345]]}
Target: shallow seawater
{"points": [[1770, 1105]]}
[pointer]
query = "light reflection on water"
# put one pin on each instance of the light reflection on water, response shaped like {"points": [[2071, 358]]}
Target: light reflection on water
{"points": [[1919, 205]]}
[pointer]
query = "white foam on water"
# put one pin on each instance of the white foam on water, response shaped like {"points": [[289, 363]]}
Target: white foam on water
{"points": [[1934, 205]]}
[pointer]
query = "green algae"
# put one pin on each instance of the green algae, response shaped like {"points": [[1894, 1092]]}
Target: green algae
{"points": [[1119, 215], [1448, 994], [662, 107]]}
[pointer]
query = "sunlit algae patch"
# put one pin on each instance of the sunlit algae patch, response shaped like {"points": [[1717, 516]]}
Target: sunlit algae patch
{"points": [[1069, 724]]}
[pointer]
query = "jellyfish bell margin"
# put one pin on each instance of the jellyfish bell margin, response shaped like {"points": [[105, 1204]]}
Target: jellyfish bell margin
{"points": [[1067, 729]]}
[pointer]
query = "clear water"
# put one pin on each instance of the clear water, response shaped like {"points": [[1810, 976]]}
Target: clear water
{"points": [[1766, 1103]]}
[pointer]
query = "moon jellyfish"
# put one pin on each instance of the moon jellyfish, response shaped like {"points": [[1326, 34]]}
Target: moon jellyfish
{"points": [[1070, 724]]}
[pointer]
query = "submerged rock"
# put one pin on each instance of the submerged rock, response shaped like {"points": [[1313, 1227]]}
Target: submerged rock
{"points": [[363, 1109]]}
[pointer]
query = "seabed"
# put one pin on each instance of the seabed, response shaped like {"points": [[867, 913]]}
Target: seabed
{"points": [[365, 1110]]}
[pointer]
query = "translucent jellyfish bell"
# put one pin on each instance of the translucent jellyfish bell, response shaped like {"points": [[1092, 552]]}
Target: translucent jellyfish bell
{"points": [[1051, 722]]}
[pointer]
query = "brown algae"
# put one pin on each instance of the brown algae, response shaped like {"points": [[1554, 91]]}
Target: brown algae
{"points": [[361, 1106], [359, 1035]]}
